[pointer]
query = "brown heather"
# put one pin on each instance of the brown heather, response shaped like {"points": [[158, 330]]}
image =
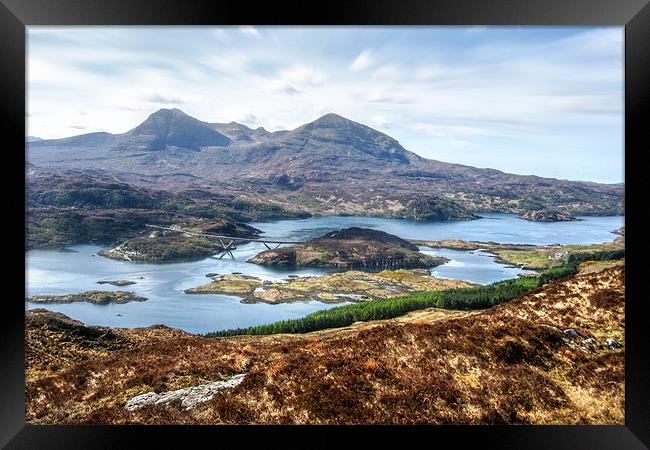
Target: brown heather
{"points": [[508, 364]]}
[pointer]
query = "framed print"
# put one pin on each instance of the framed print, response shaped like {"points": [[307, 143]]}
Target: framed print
{"points": [[404, 217]]}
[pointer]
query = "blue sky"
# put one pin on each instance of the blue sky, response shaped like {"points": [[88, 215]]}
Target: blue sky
{"points": [[532, 100]]}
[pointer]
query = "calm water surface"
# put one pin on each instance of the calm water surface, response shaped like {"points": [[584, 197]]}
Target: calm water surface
{"points": [[504, 228], [77, 269]]}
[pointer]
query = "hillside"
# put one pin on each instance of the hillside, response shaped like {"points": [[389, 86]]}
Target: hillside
{"points": [[71, 207], [330, 166], [555, 355]]}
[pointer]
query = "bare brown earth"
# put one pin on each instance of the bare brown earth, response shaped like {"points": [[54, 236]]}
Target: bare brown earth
{"points": [[513, 363]]}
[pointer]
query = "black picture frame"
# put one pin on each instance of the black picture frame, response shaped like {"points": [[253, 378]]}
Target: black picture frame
{"points": [[634, 15]]}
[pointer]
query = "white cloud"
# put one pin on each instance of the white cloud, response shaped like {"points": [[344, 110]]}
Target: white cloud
{"points": [[387, 71], [221, 35], [460, 143], [248, 119], [476, 29], [384, 95], [556, 90], [600, 43], [303, 76], [295, 80], [447, 130], [280, 86], [380, 122], [57, 73], [166, 99], [232, 62], [250, 30], [427, 73], [364, 60]]}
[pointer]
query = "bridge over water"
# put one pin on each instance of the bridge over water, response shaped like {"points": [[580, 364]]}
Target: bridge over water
{"points": [[227, 242]]}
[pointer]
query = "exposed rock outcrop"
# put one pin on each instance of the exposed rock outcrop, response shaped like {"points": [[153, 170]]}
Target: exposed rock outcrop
{"points": [[188, 398]]}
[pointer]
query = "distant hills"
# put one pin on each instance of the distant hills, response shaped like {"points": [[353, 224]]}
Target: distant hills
{"points": [[332, 165]]}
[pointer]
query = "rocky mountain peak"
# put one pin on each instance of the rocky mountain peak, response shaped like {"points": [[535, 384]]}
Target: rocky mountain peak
{"points": [[162, 119], [335, 129], [332, 120], [172, 127]]}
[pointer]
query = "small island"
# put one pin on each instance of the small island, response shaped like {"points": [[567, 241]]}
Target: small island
{"points": [[350, 248], [545, 215], [183, 243], [117, 282], [97, 297], [338, 287]]}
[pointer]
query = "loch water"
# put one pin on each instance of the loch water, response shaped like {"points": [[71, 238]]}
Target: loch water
{"points": [[78, 268]]}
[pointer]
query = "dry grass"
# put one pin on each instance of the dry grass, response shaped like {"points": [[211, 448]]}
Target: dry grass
{"points": [[509, 364]]}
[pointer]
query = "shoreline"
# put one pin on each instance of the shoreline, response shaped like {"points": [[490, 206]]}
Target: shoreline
{"points": [[526, 256]]}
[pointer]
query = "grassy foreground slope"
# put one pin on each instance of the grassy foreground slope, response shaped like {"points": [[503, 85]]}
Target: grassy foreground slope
{"points": [[512, 363]]}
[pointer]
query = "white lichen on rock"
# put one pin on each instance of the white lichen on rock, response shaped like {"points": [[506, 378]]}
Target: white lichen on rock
{"points": [[188, 397]]}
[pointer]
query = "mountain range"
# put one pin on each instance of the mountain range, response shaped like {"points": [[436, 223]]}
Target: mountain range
{"points": [[329, 166]]}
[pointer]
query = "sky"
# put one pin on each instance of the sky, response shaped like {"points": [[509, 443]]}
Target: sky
{"points": [[546, 101]]}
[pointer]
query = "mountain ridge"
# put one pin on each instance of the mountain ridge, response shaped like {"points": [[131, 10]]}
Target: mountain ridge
{"points": [[337, 164], [226, 129]]}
